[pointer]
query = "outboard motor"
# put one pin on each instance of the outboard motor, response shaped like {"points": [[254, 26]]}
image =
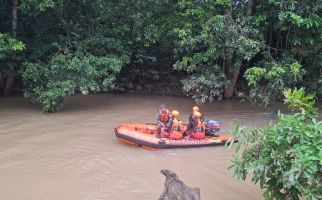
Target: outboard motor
{"points": [[212, 127]]}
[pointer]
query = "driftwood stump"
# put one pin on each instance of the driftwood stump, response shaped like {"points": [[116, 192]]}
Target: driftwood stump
{"points": [[175, 189]]}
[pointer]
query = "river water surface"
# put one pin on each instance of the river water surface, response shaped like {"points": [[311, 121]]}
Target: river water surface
{"points": [[74, 154]]}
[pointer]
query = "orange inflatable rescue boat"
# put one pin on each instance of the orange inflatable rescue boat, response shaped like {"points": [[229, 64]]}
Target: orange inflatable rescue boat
{"points": [[145, 135]]}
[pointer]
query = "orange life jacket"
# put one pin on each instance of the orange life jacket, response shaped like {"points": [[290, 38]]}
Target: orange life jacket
{"points": [[176, 125], [164, 115], [199, 131], [176, 133], [200, 127]]}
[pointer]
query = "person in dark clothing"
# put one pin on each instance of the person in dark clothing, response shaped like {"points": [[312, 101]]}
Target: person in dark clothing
{"points": [[198, 127], [192, 120], [164, 119]]}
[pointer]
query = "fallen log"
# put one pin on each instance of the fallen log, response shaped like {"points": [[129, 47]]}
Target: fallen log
{"points": [[175, 189]]}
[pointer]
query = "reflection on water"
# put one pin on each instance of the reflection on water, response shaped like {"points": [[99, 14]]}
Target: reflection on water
{"points": [[74, 154]]}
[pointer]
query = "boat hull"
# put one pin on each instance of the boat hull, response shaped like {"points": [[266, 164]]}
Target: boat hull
{"points": [[144, 135]]}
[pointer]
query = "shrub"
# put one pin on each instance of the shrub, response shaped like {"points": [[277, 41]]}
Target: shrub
{"points": [[285, 158]]}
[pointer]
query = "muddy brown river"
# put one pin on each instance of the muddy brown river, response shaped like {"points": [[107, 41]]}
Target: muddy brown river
{"points": [[74, 155]]}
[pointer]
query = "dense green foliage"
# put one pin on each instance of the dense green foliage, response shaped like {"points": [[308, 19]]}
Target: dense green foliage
{"points": [[285, 158], [206, 46], [10, 58], [67, 74], [293, 40], [268, 82], [212, 44], [9, 45]]}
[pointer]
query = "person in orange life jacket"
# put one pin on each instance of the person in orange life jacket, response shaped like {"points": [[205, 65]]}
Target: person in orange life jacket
{"points": [[198, 129], [192, 118], [164, 119], [176, 126]]}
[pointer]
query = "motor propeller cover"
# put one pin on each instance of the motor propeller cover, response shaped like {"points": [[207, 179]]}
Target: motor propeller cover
{"points": [[212, 127]]}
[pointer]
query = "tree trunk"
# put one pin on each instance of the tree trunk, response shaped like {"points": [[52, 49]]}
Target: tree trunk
{"points": [[231, 72], [1, 84], [250, 6], [9, 83], [14, 17], [232, 75], [230, 89], [7, 79]]}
